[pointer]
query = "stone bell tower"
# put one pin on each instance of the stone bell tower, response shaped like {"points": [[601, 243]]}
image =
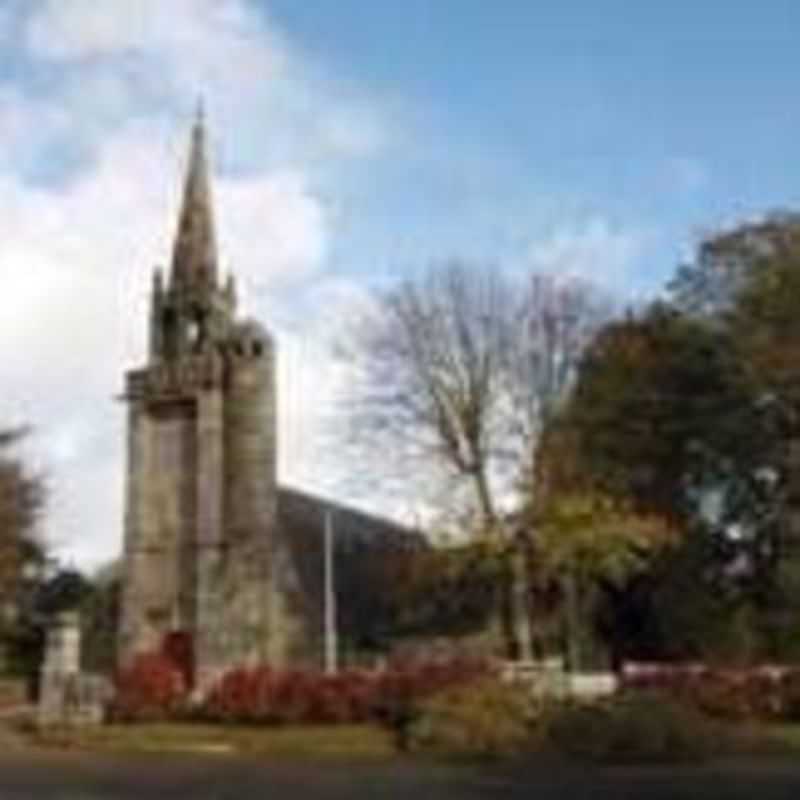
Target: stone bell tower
{"points": [[200, 550]]}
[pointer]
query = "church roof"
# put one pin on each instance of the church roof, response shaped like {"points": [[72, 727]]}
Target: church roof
{"points": [[361, 542], [194, 256]]}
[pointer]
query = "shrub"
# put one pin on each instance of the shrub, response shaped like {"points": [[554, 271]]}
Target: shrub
{"points": [[263, 695], [757, 693], [403, 687], [349, 696], [790, 686], [634, 727], [151, 688], [485, 719], [241, 695]]}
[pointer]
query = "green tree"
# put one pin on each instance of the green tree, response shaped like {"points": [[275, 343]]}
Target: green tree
{"points": [[663, 420], [21, 501], [99, 608], [709, 285], [588, 539], [661, 413], [745, 281]]}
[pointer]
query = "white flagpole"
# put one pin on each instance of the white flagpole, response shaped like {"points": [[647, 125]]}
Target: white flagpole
{"points": [[331, 648]]}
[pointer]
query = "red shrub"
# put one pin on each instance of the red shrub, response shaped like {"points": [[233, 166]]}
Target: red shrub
{"points": [[242, 695], [263, 695], [734, 694], [360, 689], [150, 688], [790, 686], [296, 693], [178, 647]]}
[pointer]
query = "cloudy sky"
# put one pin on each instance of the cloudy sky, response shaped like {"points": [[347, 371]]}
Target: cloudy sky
{"points": [[352, 142]]}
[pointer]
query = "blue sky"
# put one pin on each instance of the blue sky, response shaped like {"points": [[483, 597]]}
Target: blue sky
{"points": [[526, 117], [353, 142], [669, 117]]}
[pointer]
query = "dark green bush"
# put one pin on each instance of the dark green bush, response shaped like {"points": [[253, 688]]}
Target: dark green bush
{"points": [[634, 727]]}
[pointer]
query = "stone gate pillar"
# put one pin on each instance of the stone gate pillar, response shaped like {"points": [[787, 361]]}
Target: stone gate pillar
{"points": [[59, 684]]}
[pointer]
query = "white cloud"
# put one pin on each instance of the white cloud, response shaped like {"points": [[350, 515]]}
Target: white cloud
{"points": [[170, 52], [76, 255], [104, 136], [273, 229], [594, 250], [80, 29]]}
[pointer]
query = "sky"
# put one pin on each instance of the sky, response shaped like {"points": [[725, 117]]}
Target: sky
{"points": [[353, 142]]}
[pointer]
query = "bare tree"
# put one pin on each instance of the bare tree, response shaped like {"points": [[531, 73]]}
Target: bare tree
{"points": [[429, 380], [557, 319], [455, 376]]}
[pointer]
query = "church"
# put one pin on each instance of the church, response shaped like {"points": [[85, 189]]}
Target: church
{"points": [[215, 552]]}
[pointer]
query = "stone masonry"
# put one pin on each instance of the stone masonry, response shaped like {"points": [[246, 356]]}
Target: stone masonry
{"points": [[203, 554]]}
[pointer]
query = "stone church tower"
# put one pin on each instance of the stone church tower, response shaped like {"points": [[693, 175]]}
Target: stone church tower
{"points": [[203, 556]]}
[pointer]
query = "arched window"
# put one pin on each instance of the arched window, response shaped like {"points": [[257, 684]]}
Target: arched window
{"points": [[170, 328], [196, 330]]}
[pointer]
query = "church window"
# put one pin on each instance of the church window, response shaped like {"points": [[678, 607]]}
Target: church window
{"points": [[193, 332], [170, 332], [196, 330]]}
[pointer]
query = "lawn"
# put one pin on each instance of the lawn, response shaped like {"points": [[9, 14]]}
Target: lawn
{"points": [[344, 742], [783, 738], [307, 741]]}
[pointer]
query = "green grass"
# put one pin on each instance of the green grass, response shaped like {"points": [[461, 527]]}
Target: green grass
{"points": [[761, 739], [343, 742], [340, 741], [785, 737]]}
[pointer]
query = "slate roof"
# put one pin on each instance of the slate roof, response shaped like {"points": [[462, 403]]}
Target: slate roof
{"points": [[360, 539]]}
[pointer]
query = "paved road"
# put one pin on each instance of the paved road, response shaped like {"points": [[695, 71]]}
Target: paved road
{"points": [[81, 777]]}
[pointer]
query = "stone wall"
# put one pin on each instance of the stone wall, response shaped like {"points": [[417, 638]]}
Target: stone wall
{"points": [[158, 588]]}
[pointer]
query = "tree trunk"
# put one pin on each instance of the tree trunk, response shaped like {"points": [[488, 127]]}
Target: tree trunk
{"points": [[520, 607], [572, 622], [507, 621]]}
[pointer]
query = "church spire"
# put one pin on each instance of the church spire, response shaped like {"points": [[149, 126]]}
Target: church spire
{"points": [[194, 257]]}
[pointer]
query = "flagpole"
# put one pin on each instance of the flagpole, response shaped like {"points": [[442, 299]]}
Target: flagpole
{"points": [[331, 648]]}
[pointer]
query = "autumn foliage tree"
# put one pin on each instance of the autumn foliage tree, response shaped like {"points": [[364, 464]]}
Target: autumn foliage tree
{"points": [[21, 498]]}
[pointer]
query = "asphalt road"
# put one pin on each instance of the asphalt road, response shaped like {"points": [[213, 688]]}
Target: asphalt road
{"points": [[31, 776]]}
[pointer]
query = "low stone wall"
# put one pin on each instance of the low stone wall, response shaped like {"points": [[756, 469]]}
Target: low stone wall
{"points": [[549, 678], [592, 685]]}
